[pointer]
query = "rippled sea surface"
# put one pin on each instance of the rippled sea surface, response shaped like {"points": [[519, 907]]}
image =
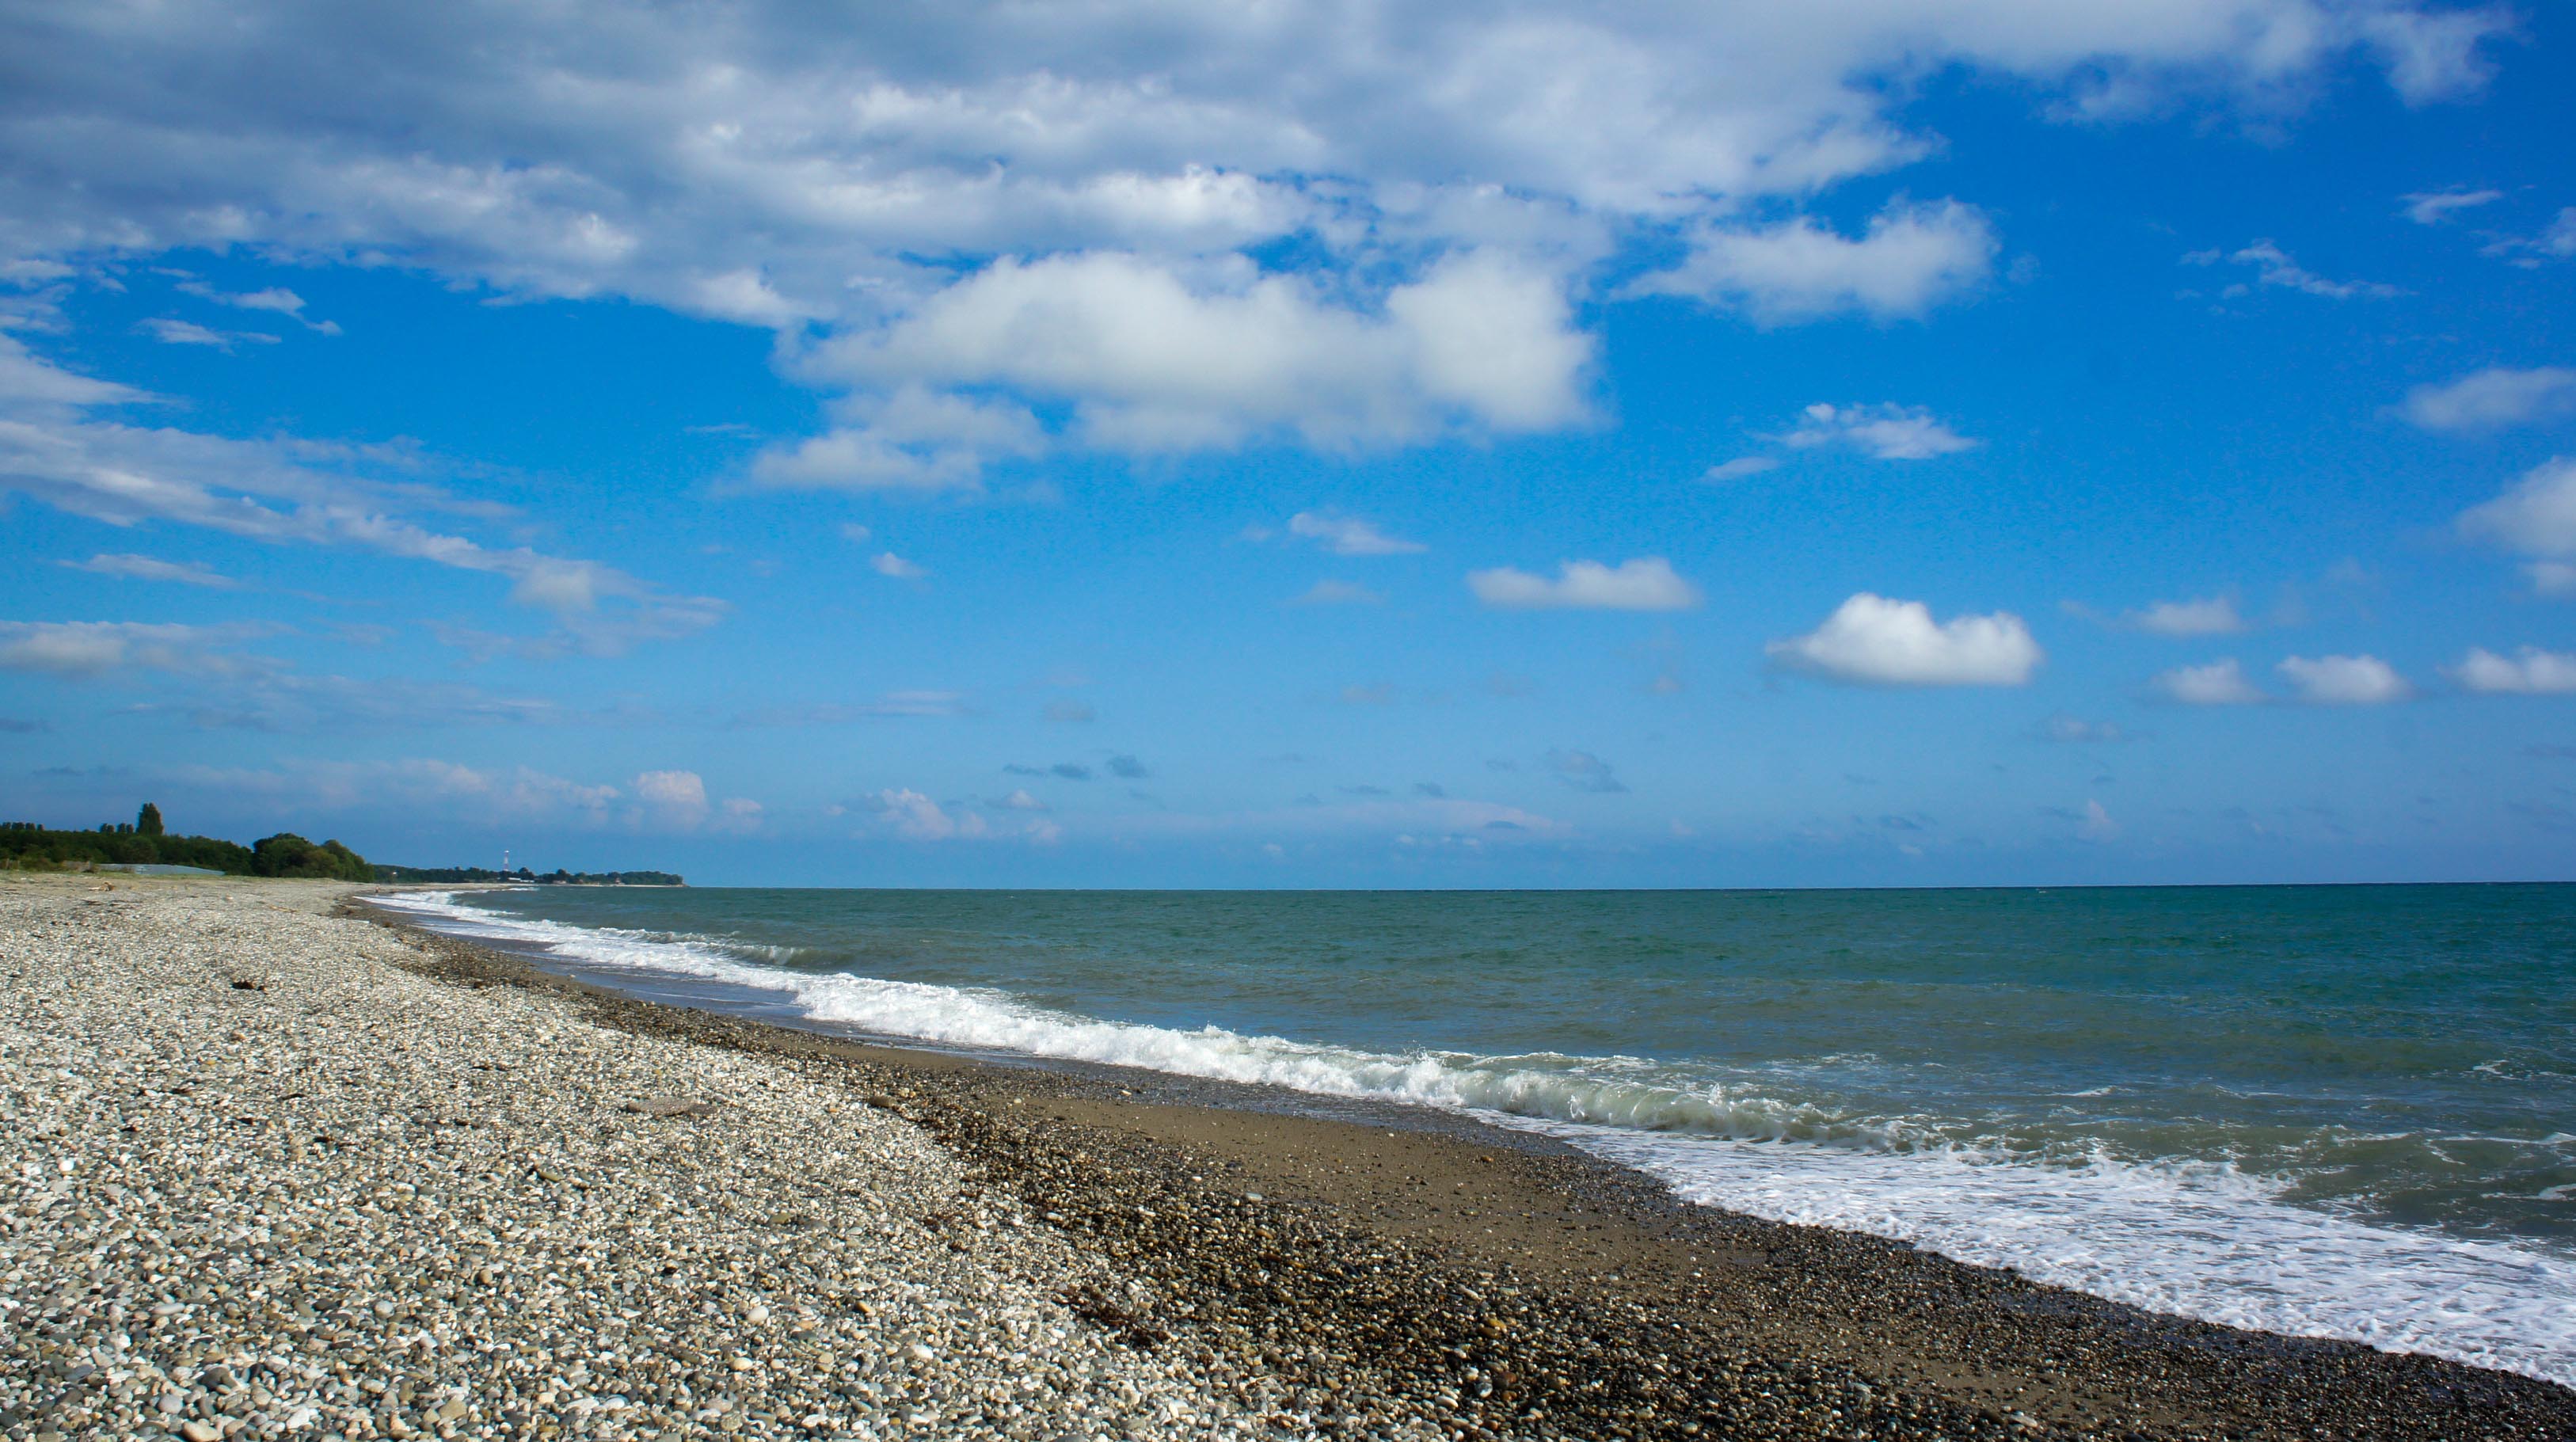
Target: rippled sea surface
{"points": [[2345, 1111]]}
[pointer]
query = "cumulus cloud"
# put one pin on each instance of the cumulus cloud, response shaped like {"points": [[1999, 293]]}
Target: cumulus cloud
{"points": [[1058, 205], [676, 800], [894, 567], [2536, 516], [914, 439], [2344, 680], [1911, 259], [2274, 268], [1647, 583], [1155, 359], [151, 568], [2220, 683], [906, 813], [2493, 399], [1349, 536], [1872, 640], [1880, 432], [2529, 672]]}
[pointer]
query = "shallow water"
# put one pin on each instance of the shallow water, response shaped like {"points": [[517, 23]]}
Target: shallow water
{"points": [[2334, 1111]]}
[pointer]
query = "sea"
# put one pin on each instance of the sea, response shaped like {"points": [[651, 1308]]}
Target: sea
{"points": [[2327, 1111]]}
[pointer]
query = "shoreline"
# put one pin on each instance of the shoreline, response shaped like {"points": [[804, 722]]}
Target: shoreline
{"points": [[370, 1135], [1890, 1335]]}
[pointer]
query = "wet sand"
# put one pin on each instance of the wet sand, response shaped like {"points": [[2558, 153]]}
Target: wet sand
{"points": [[1384, 1260]]}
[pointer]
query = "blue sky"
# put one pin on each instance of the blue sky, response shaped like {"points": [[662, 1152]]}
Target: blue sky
{"points": [[1116, 444]]}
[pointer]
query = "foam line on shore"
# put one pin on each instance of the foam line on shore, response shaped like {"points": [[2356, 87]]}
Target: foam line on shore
{"points": [[2192, 1238]]}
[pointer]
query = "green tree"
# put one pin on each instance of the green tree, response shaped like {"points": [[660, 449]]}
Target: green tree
{"points": [[148, 821], [287, 854]]}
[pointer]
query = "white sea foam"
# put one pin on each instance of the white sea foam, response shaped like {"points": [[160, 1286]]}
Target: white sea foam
{"points": [[2191, 1237]]}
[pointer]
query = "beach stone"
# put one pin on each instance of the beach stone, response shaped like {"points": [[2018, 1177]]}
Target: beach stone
{"points": [[671, 1107]]}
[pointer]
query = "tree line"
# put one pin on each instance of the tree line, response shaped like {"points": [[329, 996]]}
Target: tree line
{"points": [[145, 841]]}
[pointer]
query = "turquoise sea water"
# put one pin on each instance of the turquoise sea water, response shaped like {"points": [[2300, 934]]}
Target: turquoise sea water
{"points": [[2336, 1111]]}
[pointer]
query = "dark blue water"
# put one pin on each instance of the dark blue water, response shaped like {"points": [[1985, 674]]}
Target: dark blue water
{"points": [[2348, 1111]]}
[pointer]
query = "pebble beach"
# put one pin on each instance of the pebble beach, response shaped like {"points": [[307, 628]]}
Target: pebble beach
{"points": [[277, 1170], [267, 1181]]}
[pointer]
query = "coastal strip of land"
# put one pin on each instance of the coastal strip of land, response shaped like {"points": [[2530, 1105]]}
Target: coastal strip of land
{"points": [[282, 1172]]}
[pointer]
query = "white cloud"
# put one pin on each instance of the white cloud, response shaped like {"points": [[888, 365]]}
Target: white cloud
{"points": [[151, 568], [1739, 468], [2556, 241], [2211, 616], [750, 163], [1330, 592], [1350, 536], [2096, 824], [1647, 583], [1153, 358], [895, 567], [2536, 516], [1060, 204], [1913, 258], [1871, 640], [2493, 398], [1021, 800], [913, 439], [172, 331], [2434, 55], [916, 817], [277, 300], [1880, 432], [676, 800], [2529, 672], [2434, 207], [2344, 680], [2273, 266], [2552, 578], [2220, 683], [912, 816]]}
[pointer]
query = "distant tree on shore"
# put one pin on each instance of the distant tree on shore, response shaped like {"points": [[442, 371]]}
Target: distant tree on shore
{"points": [[145, 841], [287, 854]]}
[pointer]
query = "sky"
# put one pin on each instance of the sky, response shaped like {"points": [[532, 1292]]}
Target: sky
{"points": [[1323, 443]]}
